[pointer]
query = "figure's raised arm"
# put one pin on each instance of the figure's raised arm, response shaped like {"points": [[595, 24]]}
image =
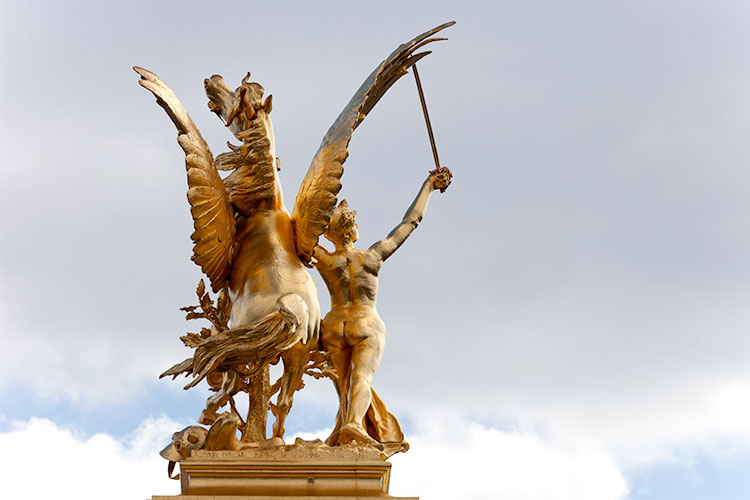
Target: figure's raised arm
{"points": [[440, 178], [318, 194]]}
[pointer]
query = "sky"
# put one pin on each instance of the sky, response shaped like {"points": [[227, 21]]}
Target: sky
{"points": [[569, 321]]}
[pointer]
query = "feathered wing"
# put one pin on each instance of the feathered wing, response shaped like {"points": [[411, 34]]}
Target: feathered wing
{"points": [[213, 216], [317, 195]]}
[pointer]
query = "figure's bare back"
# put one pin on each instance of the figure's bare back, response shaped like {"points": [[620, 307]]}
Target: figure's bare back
{"points": [[352, 277]]}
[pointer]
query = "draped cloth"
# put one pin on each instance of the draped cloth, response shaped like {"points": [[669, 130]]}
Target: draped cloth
{"points": [[382, 426]]}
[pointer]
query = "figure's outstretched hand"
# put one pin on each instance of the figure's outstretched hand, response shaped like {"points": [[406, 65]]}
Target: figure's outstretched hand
{"points": [[441, 178]]}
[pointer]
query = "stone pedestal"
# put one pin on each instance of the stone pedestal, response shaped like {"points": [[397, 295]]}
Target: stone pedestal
{"points": [[285, 473]]}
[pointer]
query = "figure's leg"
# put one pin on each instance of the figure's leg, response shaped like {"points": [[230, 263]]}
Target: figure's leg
{"points": [[341, 360], [295, 360], [229, 386], [339, 355], [366, 356]]}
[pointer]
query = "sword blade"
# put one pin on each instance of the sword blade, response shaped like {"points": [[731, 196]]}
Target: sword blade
{"points": [[426, 116]]}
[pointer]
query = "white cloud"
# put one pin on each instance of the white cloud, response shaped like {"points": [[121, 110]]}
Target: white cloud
{"points": [[41, 459], [732, 407], [474, 462], [451, 458], [601, 187]]}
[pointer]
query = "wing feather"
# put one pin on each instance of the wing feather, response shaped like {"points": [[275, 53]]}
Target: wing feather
{"points": [[320, 187], [213, 215]]}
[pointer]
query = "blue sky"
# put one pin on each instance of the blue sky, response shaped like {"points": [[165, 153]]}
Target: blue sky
{"points": [[574, 307]]}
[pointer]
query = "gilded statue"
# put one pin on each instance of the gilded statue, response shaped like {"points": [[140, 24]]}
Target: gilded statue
{"points": [[352, 333], [256, 254]]}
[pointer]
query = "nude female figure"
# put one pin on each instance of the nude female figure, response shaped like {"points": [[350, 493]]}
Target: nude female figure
{"points": [[352, 332]]}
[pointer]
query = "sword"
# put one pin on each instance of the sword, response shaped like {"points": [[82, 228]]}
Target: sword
{"points": [[441, 171]]}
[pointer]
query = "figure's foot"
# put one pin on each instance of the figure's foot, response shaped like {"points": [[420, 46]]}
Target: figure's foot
{"points": [[355, 433], [333, 439], [208, 417]]}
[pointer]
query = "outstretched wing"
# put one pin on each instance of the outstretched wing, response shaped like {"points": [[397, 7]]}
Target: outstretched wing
{"points": [[317, 195], [213, 216]]}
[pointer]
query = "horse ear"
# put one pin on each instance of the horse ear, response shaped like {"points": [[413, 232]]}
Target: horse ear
{"points": [[268, 104]]}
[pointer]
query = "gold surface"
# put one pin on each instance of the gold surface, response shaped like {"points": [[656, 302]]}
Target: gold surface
{"points": [[279, 497], [309, 477], [301, 470], [256, 256], [352, 333]]}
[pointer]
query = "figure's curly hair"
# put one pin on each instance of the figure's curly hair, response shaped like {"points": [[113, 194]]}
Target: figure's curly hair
{"points": [[342, 222]]}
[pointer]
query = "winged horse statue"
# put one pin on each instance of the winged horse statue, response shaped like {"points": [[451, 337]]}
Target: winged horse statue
{"points": [[245, 240]]}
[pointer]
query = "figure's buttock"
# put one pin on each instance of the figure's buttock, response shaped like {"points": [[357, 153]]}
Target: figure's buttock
{"points": [[351, 326]]}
